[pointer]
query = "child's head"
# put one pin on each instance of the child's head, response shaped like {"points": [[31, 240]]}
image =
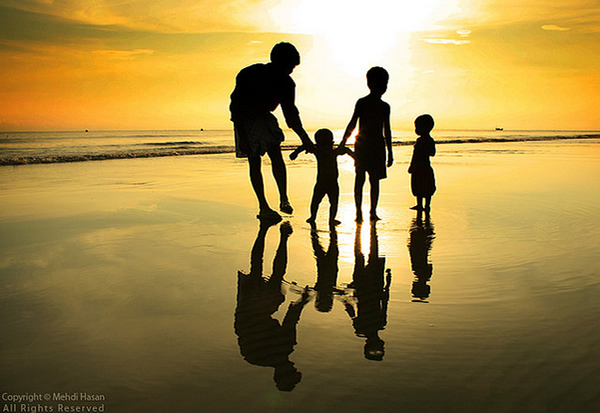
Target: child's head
{"points": [[377, 80], [423, 124], [324, 138]]}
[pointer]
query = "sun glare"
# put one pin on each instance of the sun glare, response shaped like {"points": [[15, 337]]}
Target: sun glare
{"points": [[360, 34]]}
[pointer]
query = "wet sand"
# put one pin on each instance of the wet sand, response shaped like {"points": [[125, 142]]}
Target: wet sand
{"points": [[120, 278]]}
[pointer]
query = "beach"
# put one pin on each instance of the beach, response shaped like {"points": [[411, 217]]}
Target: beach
{"points": [[119, 278]]}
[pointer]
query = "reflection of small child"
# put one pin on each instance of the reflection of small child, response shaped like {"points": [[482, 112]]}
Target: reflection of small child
{"points": [[422, 180], [327, 173]]}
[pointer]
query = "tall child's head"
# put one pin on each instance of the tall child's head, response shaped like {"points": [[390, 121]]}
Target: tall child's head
{"points": [[377, 80], [324, 138], [423, 124]]}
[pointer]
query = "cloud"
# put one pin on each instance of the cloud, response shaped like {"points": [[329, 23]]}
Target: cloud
{"points": [[555, 28], [578, 15], [446, 41], [124, 54], [166, 16]]}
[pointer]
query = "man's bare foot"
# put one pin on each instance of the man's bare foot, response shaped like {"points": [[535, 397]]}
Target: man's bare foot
{"points": [[311, 220], [374, 217], [334, 222], [268, 215], [286, 208], [359, 217], [417, 208]]}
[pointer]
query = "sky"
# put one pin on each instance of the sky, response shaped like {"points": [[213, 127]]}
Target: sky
{"points": [[171, 64]]}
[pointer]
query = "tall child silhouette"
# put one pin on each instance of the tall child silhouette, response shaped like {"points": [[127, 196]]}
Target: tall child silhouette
{"points": [[374, 135]]}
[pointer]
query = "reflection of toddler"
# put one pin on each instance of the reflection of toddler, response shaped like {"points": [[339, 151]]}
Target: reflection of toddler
{"points": [[327, 173], [422, 180]]}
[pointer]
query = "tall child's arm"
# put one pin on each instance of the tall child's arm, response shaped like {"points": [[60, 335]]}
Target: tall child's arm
{"points": [[387, 134], [343, 150], [350, 152]]}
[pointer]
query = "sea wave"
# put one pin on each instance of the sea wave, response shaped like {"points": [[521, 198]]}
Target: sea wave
{"points": [[32, 160], [182, 148], [174, 143]]}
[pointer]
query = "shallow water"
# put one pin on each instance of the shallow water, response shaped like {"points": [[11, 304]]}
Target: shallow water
{"points": [[120, 279], [21, 148]]}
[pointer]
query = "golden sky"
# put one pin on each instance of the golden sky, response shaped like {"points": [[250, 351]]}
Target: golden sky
{"points": [[171, 64]]}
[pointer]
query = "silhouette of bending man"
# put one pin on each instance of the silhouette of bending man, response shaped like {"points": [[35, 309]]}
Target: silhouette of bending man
{"points": [[262, 339], [259, 90]]}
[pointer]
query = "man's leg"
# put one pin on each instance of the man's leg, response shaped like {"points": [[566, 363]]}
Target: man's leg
{"points": [[280, 175], [256, 179]]}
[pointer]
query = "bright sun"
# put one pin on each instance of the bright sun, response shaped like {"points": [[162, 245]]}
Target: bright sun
{"points": [[360, 31]]}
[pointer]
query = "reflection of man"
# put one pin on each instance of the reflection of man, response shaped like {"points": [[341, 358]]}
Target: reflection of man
{"points": [[262, 339], [259, 90], [371, 294], [419, 244]]}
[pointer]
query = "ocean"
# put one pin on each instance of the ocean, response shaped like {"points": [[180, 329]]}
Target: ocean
{"points": [[20, 148]]}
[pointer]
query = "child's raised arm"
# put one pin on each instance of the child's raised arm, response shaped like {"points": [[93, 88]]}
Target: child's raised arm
{"points": [[343, 150]]}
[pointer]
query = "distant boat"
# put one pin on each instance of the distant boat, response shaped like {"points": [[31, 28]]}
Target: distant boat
{"points": [[499, 128]]}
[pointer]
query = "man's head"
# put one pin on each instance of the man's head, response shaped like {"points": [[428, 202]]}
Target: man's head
{"points": [[286, 56]]}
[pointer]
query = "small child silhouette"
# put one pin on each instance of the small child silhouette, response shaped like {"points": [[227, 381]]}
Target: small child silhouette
{"points": [[422, 180], [327, 173], [374, 135]]}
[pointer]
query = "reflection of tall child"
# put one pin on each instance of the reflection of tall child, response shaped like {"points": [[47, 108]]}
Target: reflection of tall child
{"points": [[371, 296], [422, 180]]}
